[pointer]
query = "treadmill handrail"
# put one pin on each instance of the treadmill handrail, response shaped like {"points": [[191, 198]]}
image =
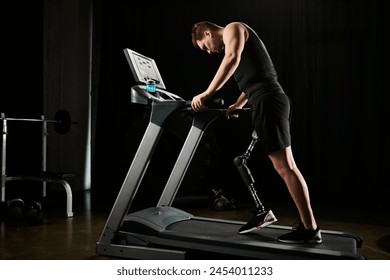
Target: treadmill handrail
{"points": [[140, 95]]}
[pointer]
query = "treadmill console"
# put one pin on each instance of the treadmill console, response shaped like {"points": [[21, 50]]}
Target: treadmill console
{"points": [[145, 71], [143, 68]]}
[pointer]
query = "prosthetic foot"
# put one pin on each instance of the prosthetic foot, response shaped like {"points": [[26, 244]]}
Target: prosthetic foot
{"points": [[258, 221]]}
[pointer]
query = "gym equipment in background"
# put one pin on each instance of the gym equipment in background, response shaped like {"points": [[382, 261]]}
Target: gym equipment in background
{"points": [[62, 123], [14, 211]]}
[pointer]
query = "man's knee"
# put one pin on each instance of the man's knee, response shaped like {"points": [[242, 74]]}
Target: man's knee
{"points": [[284, 168], [282, 165]]}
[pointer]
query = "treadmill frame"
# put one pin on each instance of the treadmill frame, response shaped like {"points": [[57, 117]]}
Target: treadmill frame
{"points": [[157, 219]]}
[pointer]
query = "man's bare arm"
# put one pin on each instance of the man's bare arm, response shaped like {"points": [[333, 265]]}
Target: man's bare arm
{"points": [[234, 37]]}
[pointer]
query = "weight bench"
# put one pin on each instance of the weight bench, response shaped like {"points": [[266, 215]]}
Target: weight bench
{"points": [[62, 124], [50, 177]]}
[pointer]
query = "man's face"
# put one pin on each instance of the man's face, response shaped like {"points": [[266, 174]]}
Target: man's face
{"points": [[210, 43]]}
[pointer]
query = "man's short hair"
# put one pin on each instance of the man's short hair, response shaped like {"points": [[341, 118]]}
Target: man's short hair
{"points": [[198, 30]]}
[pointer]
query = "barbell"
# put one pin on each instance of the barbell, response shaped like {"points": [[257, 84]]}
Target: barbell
{"points": [[62, 121]]}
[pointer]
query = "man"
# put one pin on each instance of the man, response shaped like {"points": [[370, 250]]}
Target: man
{"points": [[246, 58]]}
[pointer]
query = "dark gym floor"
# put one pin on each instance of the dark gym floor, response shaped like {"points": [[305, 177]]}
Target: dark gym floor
{"points": [[75, 238]]}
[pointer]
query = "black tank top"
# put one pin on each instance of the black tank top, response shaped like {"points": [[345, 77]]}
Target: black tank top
{"points": [[256, 75]]}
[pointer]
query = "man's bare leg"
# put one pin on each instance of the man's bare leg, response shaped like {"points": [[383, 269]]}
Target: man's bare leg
{"points": [[284, 164]]}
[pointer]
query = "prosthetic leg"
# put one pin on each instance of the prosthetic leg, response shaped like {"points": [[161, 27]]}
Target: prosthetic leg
{"points": [[262, 217]]}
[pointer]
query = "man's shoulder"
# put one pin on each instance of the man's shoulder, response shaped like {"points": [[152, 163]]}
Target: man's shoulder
{"points": [[235, 24], [235, 28]]}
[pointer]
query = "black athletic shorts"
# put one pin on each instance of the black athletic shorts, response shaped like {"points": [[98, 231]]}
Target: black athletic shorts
{"points": [[271, 118]]}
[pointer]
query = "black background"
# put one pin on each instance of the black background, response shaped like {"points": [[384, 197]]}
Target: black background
{"points": [[331, 57]]}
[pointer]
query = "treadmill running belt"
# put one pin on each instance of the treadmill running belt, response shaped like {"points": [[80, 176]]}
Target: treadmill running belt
{"points": [[268, 234], [220, 236]]}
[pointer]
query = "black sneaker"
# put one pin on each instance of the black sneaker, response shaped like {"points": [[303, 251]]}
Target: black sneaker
{"points": [[258, 221], [301, 235]]}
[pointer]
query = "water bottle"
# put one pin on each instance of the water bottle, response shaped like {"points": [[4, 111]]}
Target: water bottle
{"points": [[151, 86]]}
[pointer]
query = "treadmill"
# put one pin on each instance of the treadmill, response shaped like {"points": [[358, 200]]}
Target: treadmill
{"points": [[165, 232]]}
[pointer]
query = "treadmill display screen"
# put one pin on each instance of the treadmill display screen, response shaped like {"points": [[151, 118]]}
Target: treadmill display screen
{"points": [[143, 68]]}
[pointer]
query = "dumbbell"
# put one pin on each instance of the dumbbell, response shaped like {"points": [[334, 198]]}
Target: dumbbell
{"points": [[220, 202], [15, 210], [34, 213]]}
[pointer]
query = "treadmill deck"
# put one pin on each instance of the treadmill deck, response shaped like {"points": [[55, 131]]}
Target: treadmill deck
{"points": [[221, 236]]}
